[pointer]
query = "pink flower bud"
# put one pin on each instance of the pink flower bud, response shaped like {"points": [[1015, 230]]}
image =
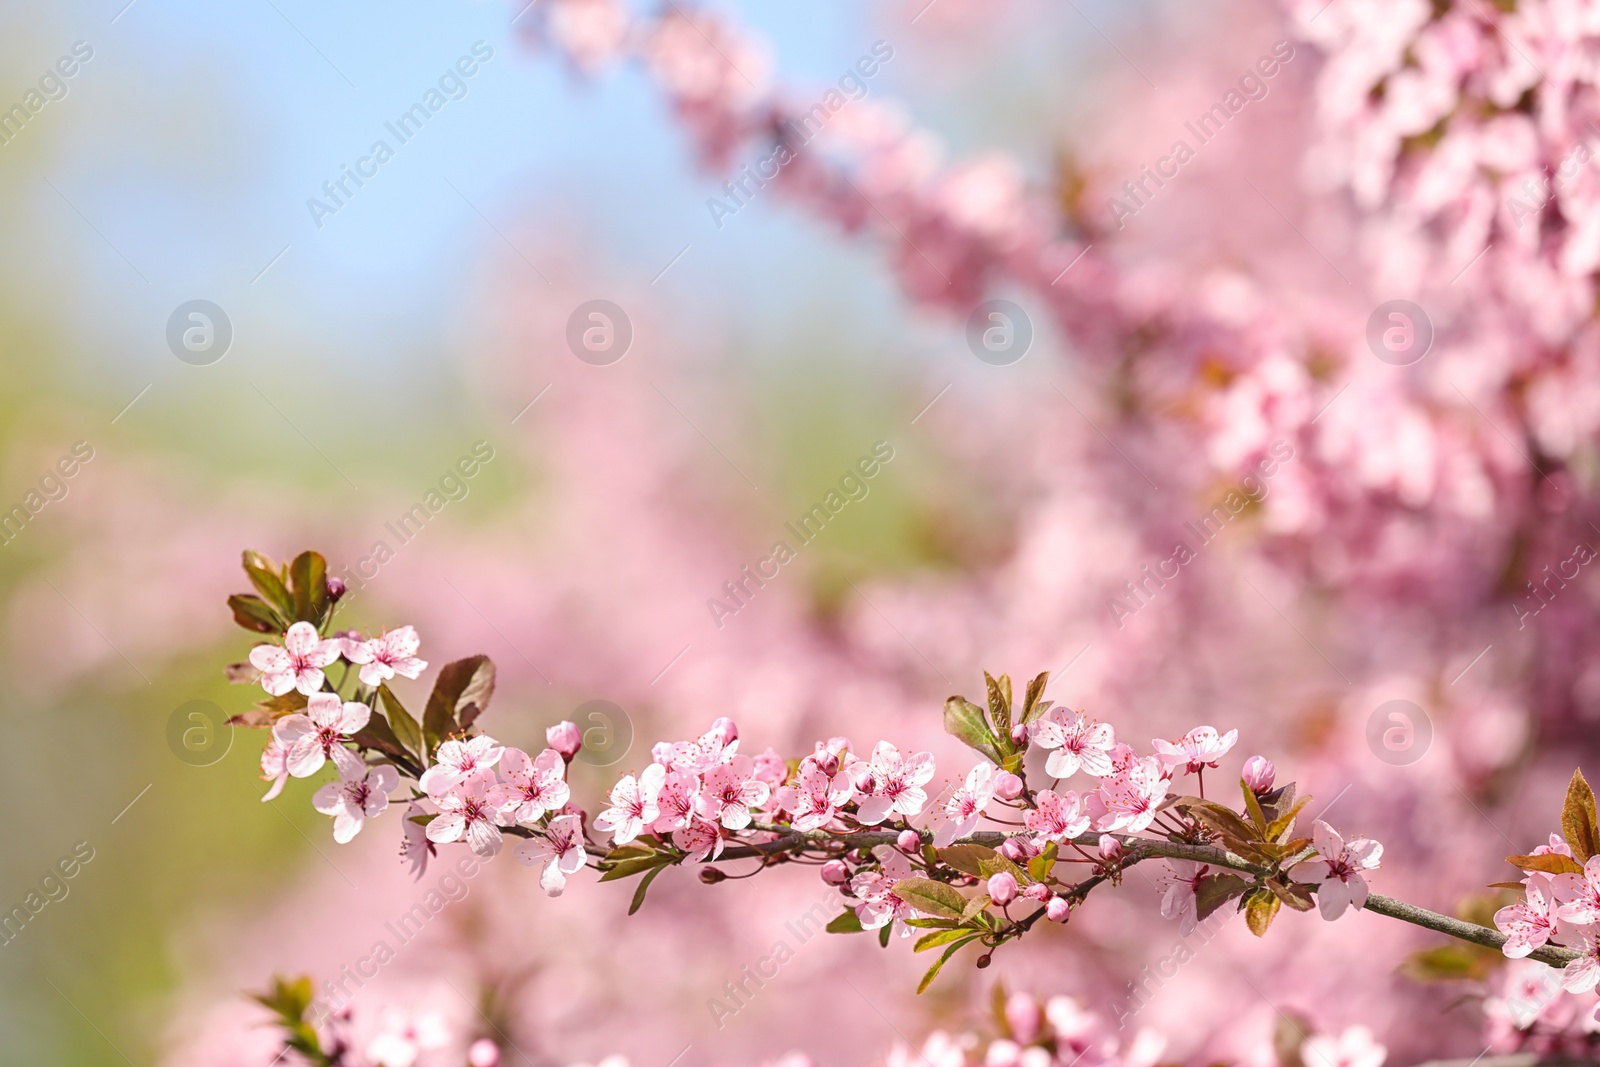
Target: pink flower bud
{"points": [[483, 1053], [565, 738], [726, 728], [336, 588], [1024, 1017], [1002, 888], [1259, 774], [834, 872], [1111, 849], [1019, 734], [1007, 786], [1037, 891], [1057, 910], [1018, 849], [661, 752], [909, 841]]}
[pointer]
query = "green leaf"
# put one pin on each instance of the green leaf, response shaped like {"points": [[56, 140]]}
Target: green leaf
{"points": [[255, 614], [308, 574], [1031, 707], [404, 726], [1449, 963], [1295, 894], [968, 859], [939, 937], [626, 860], [461, 684], [975, 907], [964, 721], [377, 734], [1040, 866], [264, 576], [998, 864], [883, 934], [934, 898], [644, 887], [1218, 818], [1549, 863], [1253, 808], [933, 924], [1278, 829], [933, 972], [1215, 890], [1260, 906], [999, 705], [847, 923], [1579, 824]]}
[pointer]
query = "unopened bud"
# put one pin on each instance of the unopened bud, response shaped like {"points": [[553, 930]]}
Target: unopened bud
{"points": [[711, 876], [1037, 891], [483, 1053], [1003, 888], [984, 960], [834, 872], [1007, 786], [1019, 734], [725, 727], [565, 738], [1058, 910], [909, 841], [1259, 774], [1024, 1017], [336, 588], [1018, 849], [1111, 849]]}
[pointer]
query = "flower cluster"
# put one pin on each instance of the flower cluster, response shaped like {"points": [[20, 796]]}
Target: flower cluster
{"points": [[1560, 903], [863, 816]]}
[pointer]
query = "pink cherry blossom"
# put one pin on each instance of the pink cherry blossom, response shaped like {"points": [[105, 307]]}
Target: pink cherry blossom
{"points": [[560, 849], [697, 757], [816, 795], [1354, 1047], [1077, 743], [1578, 895], [1337, 870], [878, 906], [676, 802], [274, 766], [529, 788], [361, 793], [387, 655], [633, 805], [701, 838], [405, 1038], [730, 792], [1195, 750], [457, 760], [297, 664], [483, 1053], [1008, 786], [1059, 817], [1133, 796], [320, 734], [1181, 882], [415, 848], [771, 768], [465, 812], [1583, 973], [1558, 846], [1530, 922], [966, 805], [891, 785]]}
